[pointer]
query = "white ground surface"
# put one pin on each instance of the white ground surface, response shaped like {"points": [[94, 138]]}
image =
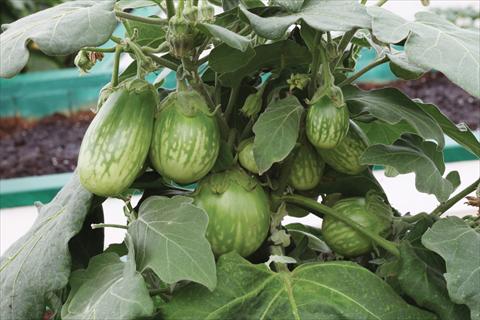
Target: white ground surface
{"points": [[400, 190]]}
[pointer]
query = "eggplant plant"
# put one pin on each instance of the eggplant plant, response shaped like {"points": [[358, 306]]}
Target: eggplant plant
{"points": [[266, 121]]}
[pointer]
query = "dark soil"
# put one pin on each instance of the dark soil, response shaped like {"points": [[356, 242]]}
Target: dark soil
{"points": [[435, 88], [51, 145]]}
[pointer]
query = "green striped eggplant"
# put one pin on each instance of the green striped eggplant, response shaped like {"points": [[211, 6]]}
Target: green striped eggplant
{"points": [[326, 123], [238, 210], [371, 213], [245, 156], [307, 168], [345, 157], [186, 138], [116, 144]]}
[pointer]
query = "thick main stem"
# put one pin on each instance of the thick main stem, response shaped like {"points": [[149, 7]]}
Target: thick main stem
{"points": [[438, 211], [318, 209]]}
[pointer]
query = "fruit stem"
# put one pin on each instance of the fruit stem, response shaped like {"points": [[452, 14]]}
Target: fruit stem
{"points": [[315, 64], [444, 206], [181, 4], [170, 9], [231, 102], [363, 71], [116, 64], [318, 209], [107, 225]]}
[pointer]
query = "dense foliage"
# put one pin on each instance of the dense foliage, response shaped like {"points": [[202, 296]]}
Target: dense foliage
{"points": [[265, 122]]}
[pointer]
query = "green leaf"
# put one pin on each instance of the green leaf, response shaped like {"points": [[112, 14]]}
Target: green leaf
{"points": [[458, 245], [322, 15], [381, 132], [422, 280], [148, 34], [331, 290], [403, 68], [276, 132], [392, 106], [281, 54], [349, 186], [289, 5], [169, 238], [315, 243], [108, 289], [39, 262], [434, 43], [59, 30], [134, 4], [411, 154], [223, 59], [460, 133], [225, 158], [230, 38]]}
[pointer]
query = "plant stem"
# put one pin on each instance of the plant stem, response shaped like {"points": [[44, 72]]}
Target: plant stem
{"points": [[129, 16], [161, 48], [116, 64], [315, 65], [104, 50], [326, 74], [318, 209], [231, 102], [381, 2], [108, 225], [116, 39], [278, 251], [438, 211], [181, 4], [364, 2], [170, 8], [363, 71], [163, 62]]}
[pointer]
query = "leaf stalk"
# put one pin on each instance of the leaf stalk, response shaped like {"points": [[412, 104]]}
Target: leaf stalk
{"points": [[318, 209]]}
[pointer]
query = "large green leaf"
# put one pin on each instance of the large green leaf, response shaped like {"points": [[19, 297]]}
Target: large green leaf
{"points": [[224, 59], [39, 263], [169, 238], [60, 30], [434, 43], [322, 15], [423, 281], [392, 106], [331, 290], [349, 186], [108, 289], [412, 154], [230, 38], [459, 246], [381, 132], [276, 132], [281, 54], [151, 35], [460, 133]]}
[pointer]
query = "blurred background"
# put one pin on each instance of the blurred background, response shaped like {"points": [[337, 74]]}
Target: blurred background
{"points": [[45, 110]]}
